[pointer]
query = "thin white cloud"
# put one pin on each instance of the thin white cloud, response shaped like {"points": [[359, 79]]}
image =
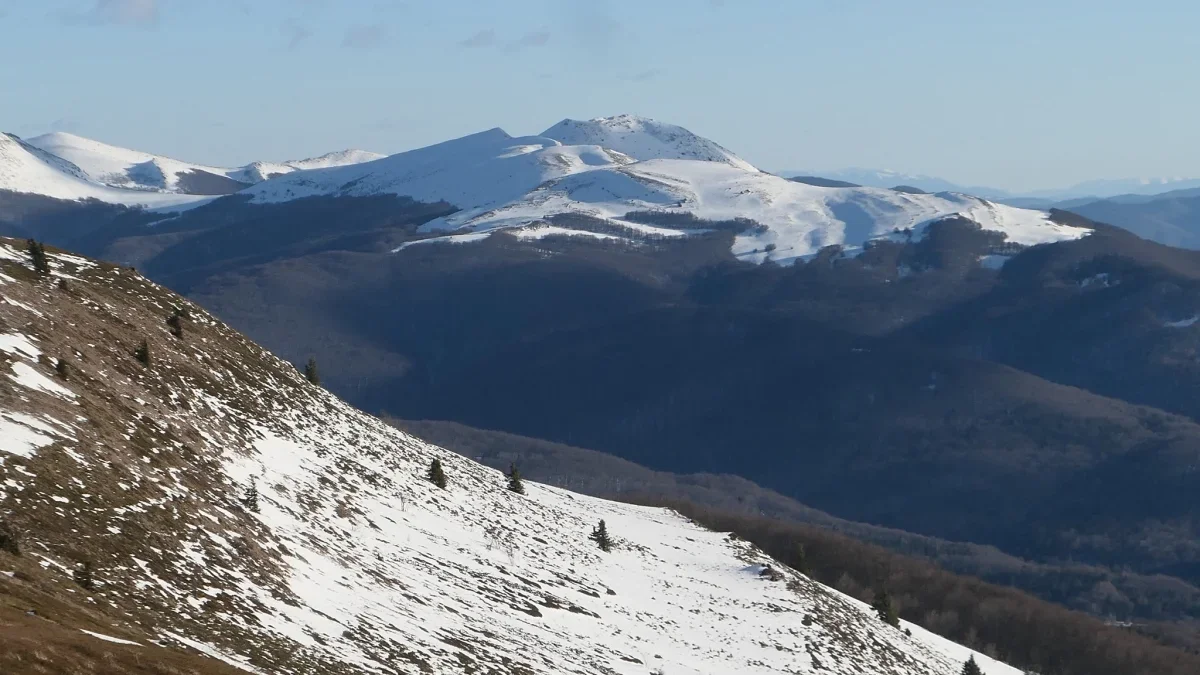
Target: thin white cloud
{"points": [[365, 36], [127, 12], [484, 38], [295, 33]]}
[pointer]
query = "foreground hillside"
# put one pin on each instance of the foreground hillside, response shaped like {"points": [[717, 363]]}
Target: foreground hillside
{"points": [[193, 491]]}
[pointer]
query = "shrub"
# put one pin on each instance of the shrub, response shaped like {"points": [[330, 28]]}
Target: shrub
{"points": [[83, 576]]}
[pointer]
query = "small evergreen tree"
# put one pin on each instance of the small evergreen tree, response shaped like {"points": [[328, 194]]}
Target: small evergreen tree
{"points": [[310, 371], [514, 480], [63, 369], [601, 537], [886, 609], [37, 257], [436, 475], [143, 353], [83, 576], [10, 540], [971, 668], [175, 321], [250, 499]]}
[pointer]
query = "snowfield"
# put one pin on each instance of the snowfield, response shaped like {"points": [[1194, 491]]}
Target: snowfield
{"points": [[66, 166], [606, 168], [25, 168], [348, 559]]}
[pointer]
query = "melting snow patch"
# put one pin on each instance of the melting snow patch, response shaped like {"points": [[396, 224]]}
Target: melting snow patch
{"points": [[1103, 280], [109, 638], [24, 375], [16, 343], [450, 239], [993, 262], [21, 434], [542, 231]]}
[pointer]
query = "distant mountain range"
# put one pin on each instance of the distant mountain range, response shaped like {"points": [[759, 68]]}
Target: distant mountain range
{"points": [[937, 363], [66, 166], [1091, 190], [627, 177]]}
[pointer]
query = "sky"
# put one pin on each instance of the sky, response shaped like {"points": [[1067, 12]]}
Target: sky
{"points": [[1014, 94]]}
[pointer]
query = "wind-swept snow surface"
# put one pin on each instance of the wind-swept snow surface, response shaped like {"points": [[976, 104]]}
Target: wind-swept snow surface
{"points": [[25, 168], [134, 170], [255, 517], [606, 168]]}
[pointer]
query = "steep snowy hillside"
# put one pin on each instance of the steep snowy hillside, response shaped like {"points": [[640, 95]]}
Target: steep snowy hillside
{"points": [[194, 491], [643, 139], [29, 169], [607, 168], [132, 169]]}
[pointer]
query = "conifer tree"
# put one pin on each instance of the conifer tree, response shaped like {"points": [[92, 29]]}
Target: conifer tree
{"points": [[37, 256], [514, 480], [250, 499], [310, 371], [436, 475], [601, 537], [10, 540], [84, 577], [971, 668], [63, 369], [143, 353], [886, 609], [175, 321]]}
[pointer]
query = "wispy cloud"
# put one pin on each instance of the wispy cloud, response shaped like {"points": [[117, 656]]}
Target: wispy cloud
{"points": [[128, 12], [535, 39], [365, 36], [295, 33], [484, 38], [644, 76], [489, 38]]}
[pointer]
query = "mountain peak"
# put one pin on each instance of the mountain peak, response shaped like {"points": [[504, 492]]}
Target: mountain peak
{"points": [[643, 138]]}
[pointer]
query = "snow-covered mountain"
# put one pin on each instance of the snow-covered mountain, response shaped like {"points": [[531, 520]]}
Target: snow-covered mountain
{"points": [[133, 169], [224, 504], [29, 169], [502, 182], [887, 178], [642, 138]]}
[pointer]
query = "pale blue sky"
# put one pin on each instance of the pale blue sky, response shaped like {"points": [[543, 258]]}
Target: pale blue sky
{"points": [[1016, 94]]}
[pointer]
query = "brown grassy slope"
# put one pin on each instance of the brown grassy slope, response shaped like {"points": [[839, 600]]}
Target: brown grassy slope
{"points": [[129, 477]]}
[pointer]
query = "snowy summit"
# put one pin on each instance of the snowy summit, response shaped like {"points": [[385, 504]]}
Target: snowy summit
{"points": [[606, 168]]}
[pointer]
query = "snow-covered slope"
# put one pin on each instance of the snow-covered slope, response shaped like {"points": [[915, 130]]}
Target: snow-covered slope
{"points": [[346, 559], [642, 139], [501, 182], [29, 169], [132, 169], [256, 172]]}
